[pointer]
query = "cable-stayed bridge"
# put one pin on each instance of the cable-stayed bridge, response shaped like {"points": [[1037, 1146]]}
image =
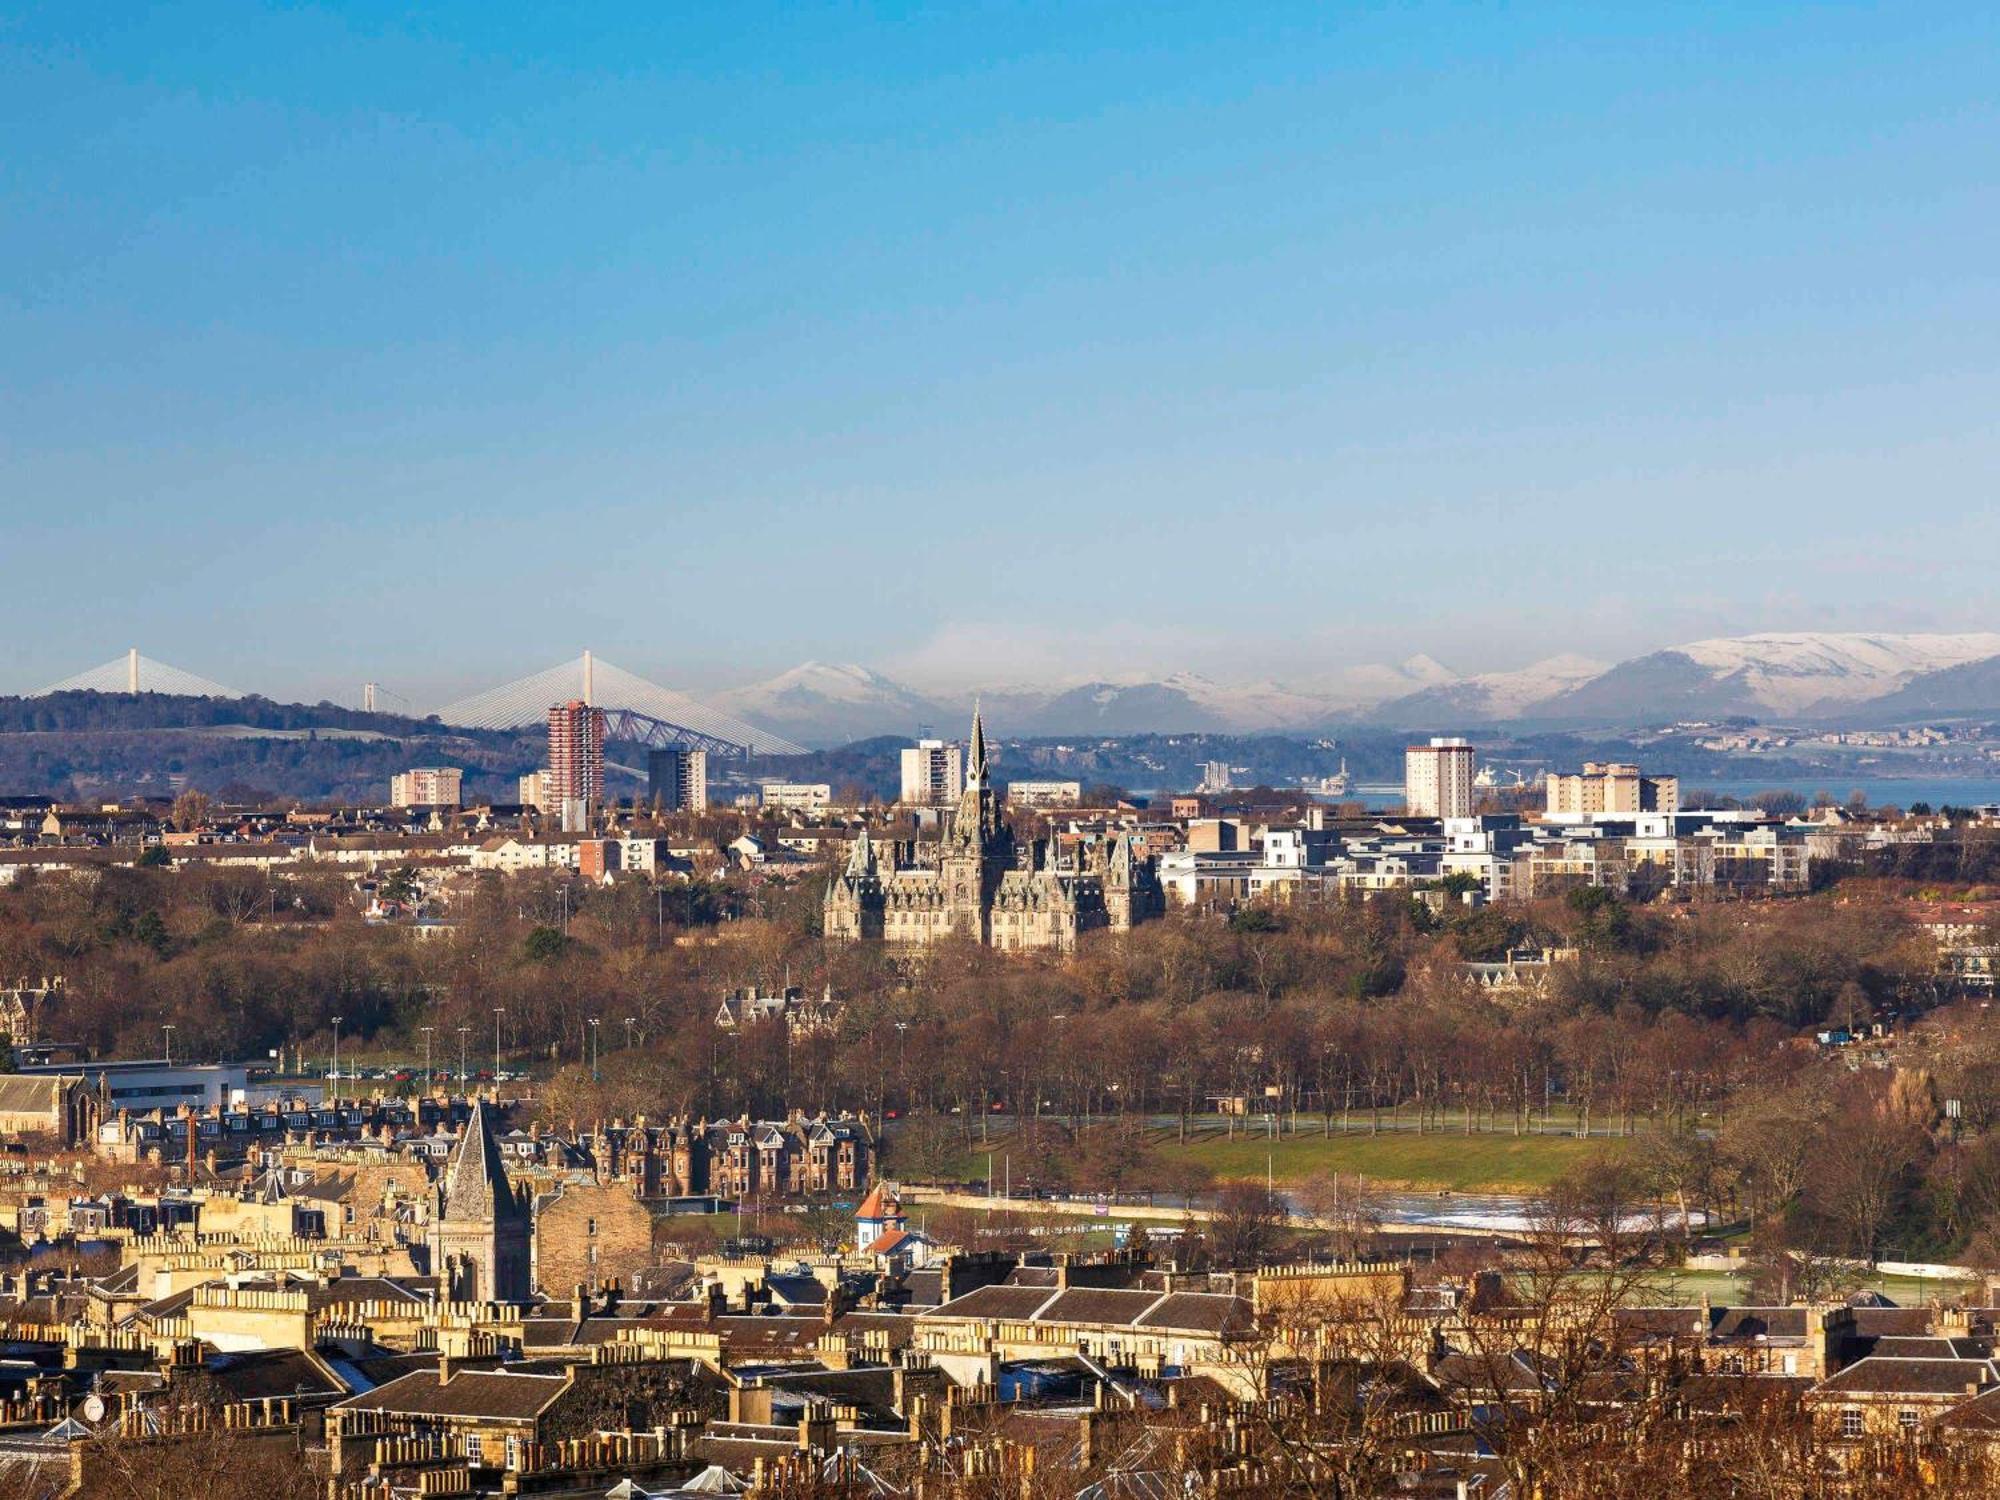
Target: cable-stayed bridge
{"points": [[133, 673], [634, 709]]}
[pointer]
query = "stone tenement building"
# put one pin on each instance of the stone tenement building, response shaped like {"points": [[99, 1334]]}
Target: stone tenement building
{"points": [[976, 882], [735, 1158]]}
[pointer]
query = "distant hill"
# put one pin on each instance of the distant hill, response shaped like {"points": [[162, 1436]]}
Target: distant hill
{"points": [[90, 712], [1490, 696], [1793, 675], [1971, 688], [820, 704], [1121, 708], [89, 744]]}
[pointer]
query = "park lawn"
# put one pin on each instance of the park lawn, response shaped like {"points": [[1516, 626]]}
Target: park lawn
{"points": [[1684, 1288], [1463, 1163], [1482, 1162]]}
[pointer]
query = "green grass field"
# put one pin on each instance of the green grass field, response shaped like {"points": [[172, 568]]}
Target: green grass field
{"points": [[1474, 1163], [1684, 1288], [1481, 1162]]}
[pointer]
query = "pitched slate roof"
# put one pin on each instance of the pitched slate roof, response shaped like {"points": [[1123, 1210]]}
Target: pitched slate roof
{"points": [[1980, 1414], [1193, 1312], [498, 1394], [1757, 1322], [1013, 1303], [1912, 1377], [256, 1374], [1880, 1320], [1203, 1312]]}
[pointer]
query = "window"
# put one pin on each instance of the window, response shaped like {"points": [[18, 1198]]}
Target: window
{"points": [[1907, 1420], [1850, 1422]]}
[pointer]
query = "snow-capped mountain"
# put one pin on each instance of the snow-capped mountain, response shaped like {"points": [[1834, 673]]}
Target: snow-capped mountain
{"points": [[830, 704], [1187, 702], [1115, 708], [1800, 675], [1490, 696], [1970, 688], [1377, 682], [1796, 674]]}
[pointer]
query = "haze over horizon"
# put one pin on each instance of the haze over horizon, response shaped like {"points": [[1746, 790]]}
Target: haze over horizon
{"points": [[985, 348]]}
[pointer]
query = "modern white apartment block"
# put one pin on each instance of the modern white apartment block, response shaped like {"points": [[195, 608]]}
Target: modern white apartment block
{"points": [[933, 773], [1611, 787], [427, 786], [1437, 778], [796, 796], [1045, 793]]}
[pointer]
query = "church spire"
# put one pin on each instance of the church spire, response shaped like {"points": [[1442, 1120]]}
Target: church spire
{"points": [[474, 1183], [976, 755]]}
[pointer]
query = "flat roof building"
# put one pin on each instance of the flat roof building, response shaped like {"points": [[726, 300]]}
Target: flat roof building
{"points": [[427, 786], [677, 779], [933, 773], [1437, 778]]}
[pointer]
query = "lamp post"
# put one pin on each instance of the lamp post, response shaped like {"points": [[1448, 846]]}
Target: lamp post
{"points": [[169, 1030], [336, 1057], [427, 1031], [464, 1077], [593, 1050], [498, 1012], [630, 1021]]}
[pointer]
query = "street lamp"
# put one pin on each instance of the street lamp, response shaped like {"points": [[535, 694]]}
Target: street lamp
{"points": [[463, 1076], [593, 1050], [169, 1030], [498, 1012], [336, 1057], [630, 1021], [427, 1030]]}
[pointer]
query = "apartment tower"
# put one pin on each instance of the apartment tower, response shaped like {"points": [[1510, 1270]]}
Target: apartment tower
{"points": [[677, 779], [576, 756], [933, 774], [1437, 778]]}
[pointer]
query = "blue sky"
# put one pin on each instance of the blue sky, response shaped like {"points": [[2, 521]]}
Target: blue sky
{"points": [[432, 344]]}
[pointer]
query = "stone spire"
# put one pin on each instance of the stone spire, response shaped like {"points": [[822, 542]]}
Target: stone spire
{"points": [[1120, 869], [861, 857], [474, 1185], [975, 770]]}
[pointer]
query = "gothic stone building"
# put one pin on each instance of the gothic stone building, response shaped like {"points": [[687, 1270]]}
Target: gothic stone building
{"points": [[479, 1223], [977, 883], [736, 1158]]}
